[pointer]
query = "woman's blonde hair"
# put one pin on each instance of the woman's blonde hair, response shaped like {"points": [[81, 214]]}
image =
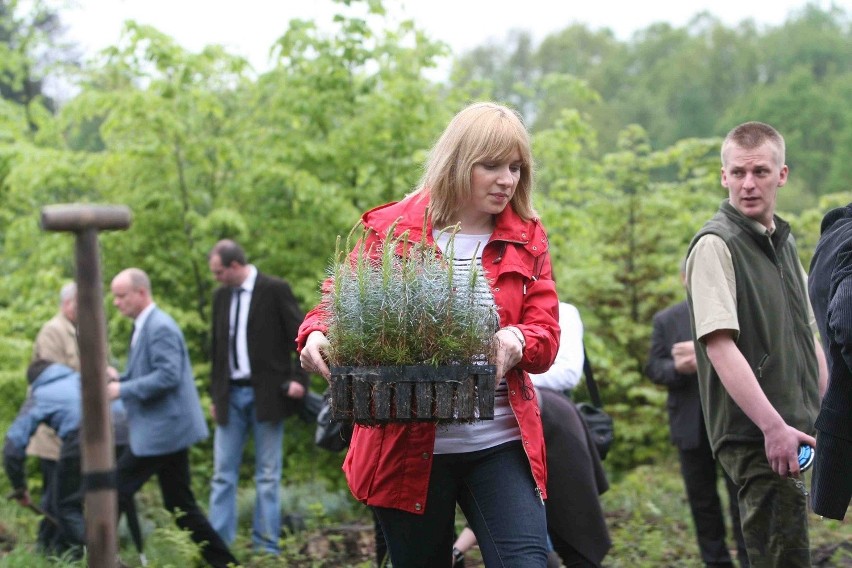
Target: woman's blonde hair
{"points": [[480, 132]]}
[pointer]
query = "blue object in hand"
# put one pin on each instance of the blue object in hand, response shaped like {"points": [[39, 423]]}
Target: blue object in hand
{"points": [[806, 457]]}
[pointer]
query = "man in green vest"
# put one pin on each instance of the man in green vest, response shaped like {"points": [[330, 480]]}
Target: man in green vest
{"points": [[761, 369]]}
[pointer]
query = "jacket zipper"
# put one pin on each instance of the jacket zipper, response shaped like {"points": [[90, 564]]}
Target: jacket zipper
{"points": [[779, 265], [760, 365]]}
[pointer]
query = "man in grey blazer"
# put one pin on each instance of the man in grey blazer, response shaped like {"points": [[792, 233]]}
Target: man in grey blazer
{"points": [[163, 412]]}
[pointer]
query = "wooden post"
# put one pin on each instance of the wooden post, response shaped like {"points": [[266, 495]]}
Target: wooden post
{"points": [[97, 448]]}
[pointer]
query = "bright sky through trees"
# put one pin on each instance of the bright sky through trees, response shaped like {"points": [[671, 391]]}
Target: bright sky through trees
{"points": [[250, 27]]}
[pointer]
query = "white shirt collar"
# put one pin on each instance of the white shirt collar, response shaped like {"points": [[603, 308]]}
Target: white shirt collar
{"points": [[140, 320], [248, 283]]}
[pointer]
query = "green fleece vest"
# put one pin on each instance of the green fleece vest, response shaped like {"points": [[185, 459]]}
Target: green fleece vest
{"points": [[774, 337]]}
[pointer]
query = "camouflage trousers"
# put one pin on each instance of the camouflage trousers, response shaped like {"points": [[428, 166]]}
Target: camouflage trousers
{"points": [[773, 509]]}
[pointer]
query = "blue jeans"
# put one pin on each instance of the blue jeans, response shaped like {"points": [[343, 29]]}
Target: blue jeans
{"points": [[228, 443], [495, 490]]}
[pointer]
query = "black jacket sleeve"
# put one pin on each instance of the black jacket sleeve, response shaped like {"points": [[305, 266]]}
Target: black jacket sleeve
{"points": [[660, 367]]}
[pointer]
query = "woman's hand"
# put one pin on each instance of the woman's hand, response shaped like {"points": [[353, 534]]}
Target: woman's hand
{"points": [[312, 357], [508, 350]]}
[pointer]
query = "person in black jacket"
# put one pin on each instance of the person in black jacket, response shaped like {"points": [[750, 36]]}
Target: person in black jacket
{"points": [[671, 363], [575, 518], [256, 382], [830, 288]]}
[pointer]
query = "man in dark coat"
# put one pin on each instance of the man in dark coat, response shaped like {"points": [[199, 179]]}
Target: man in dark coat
{"points": [[256, 382], [671, 363], [830, 288]]}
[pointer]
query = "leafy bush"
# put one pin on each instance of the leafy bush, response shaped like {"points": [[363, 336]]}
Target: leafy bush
{"points": [[13, 390]]}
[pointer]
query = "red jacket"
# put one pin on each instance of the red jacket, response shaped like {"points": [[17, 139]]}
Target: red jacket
{"points": [[389, 466]]}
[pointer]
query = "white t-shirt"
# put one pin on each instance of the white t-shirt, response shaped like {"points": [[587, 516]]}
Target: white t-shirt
{"points": [[459, 438], [567, 369]]}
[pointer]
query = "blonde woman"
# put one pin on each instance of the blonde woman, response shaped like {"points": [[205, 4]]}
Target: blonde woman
{"points": [[479, 176]]}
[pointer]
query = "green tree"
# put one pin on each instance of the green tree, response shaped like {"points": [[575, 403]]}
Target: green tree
{"points": [[696, 80], [617, 236], [815, 122], [31, 48], [502, 71], [342, 123]]}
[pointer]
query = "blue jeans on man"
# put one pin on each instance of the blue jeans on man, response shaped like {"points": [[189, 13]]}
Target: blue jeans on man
{"points": [[228, 444]]}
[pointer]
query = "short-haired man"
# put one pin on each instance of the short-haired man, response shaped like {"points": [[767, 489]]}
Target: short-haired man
{"points": [[57, 339], [256, 382], [164, 413], [761, 370]]}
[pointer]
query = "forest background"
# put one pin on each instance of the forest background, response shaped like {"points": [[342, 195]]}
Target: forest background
{"points": [[200, 146]]}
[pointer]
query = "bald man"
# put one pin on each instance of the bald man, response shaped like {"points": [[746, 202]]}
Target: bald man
{"points": [[163, 412]]}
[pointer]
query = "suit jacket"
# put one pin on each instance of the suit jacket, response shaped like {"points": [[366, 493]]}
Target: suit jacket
{"points": [[158, 391], [830, 287], [684, 402], [273, 321]]}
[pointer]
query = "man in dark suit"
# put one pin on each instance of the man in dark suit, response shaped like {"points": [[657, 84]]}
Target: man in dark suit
{"points": [[256, 382], [671, 363], [163, 412], [830, 287]]}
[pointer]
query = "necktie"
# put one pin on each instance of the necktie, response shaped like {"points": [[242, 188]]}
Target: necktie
{"points": [[238, 292]]}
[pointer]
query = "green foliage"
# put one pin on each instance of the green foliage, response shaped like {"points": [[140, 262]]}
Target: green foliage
{"points": [[167, 545], [694, 81], [617, 261], [401, 305], [310, 500], [650, 520], [650, 524], [201, 147], [646, 510], [13, 390], [30, 47]]}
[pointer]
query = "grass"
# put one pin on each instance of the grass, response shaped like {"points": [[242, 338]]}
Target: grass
{"points": [[646, 509], [650, 524]]}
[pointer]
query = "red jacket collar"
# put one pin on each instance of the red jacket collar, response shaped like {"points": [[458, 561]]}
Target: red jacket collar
{"points": [[409, 216]]}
